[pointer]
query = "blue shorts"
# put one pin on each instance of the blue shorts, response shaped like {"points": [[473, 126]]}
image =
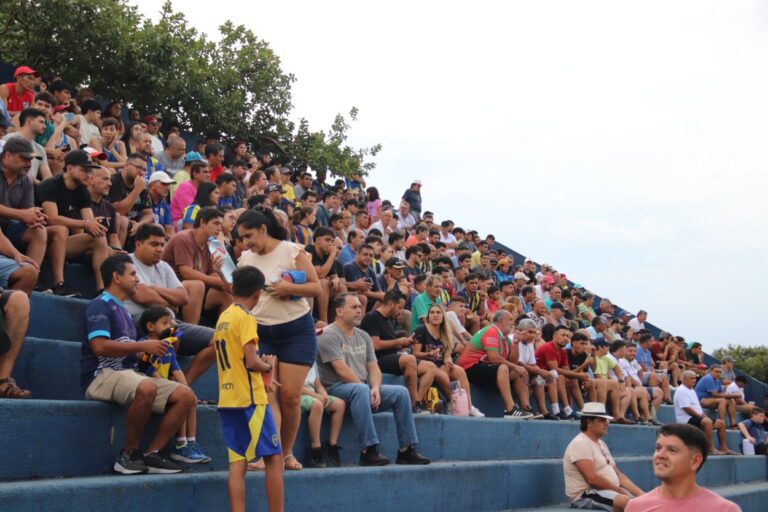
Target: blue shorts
{"points": [[15, 232], [293, 342], [7, 267], [650, 393], [249, 433]]}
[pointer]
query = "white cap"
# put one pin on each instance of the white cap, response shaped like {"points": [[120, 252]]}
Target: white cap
{"points": [[416, 182], [162, 177], [520, 275]]}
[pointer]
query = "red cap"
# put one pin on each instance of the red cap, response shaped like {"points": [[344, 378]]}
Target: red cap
{"points": [[548, 279], [25, 70], [150, 119], [60, 108]]}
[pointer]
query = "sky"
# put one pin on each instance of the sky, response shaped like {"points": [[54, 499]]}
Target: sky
{"points": [[622, 142]]}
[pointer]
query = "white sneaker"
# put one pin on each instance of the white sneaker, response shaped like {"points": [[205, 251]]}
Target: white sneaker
{"points": [[475, 412]]}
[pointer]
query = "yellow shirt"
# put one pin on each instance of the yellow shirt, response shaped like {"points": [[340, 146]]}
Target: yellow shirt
{"points": [[238, 386], [288, 192]]}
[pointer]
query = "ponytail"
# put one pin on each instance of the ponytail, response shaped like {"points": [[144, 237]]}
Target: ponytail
{"points": [[254, 219]]}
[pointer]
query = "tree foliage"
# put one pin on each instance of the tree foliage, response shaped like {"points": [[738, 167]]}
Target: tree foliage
{"points": [[235, 86], [751, 360]]}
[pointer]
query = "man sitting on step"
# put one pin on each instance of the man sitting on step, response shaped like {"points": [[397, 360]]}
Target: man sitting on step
{"points": [[592, 480]]}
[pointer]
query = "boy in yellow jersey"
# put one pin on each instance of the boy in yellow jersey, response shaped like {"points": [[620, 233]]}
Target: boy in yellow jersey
{"points": [[246, 419]]}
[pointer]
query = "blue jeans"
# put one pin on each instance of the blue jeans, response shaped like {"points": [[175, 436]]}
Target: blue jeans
{"points": [[394, 398]]}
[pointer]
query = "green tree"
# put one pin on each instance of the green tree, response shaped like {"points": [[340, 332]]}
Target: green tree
{"points": [[751, 360], [235, 86]]}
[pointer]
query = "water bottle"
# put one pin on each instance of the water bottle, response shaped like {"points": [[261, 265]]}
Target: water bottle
{"points": [[216, 247]]}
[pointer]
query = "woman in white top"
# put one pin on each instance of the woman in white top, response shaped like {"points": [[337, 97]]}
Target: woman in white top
{"points": [[285, 325]]}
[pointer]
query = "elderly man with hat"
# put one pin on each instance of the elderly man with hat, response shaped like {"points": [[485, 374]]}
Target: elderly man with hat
{"points": [[592, 479], [159, 190]]}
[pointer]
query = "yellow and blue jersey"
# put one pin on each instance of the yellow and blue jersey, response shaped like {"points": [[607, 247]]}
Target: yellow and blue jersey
{"points": [[238, 386], [190, 213]]}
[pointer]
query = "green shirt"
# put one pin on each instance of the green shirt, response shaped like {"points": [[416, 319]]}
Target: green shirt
{"points": [[420, 308], [603, 365]]}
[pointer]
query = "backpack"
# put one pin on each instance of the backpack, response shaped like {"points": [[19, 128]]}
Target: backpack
{"points": [[459, 402]]}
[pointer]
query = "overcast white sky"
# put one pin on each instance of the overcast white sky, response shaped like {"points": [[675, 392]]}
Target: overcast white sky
{"points": [[624, 143]]}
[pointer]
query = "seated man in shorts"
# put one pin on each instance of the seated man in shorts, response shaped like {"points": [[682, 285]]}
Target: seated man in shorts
{"points": [[14, 319], [592, 480], [109, 372]]}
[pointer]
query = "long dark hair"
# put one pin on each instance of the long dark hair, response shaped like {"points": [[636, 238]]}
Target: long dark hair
{"points": [[373, 194], [203, 196], [127, 135], [254, 219]]}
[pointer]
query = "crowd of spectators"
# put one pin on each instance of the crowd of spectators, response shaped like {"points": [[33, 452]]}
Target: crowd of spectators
{"points": [[370, 284]]}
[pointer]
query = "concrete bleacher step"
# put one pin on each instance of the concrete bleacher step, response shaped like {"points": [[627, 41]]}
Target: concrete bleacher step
{"points": [[81, 438], [466, 485]]}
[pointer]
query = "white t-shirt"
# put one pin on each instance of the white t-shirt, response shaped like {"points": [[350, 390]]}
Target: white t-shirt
{"points": [[526, 353], [735, 389], [629, 371], [88, 131], [161, 275], [685, 397], [157, 145], [447, 239], [635, 324], [309, 381]]}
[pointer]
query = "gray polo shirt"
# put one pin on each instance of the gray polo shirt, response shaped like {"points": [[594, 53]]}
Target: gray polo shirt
{"points": [[20, 194], [356, 351]]}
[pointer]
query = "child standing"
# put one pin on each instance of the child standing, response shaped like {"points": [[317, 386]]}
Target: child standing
{"points": [[244, 378], [315, 400], [753, 430], [158, 325]]}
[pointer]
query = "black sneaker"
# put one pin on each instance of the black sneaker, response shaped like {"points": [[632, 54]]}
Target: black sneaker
{"points": [[156, 463], [316, 456], [62, 290], [419, 410], [534, 415], [517, 414], [563, 416], [372, 457], [551, 417], [333, 453], [412, 457], [130, 463]]}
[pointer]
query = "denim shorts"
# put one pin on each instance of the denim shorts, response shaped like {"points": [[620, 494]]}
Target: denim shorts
{"points": [[293, 342]]}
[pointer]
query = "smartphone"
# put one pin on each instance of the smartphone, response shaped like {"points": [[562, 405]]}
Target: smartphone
{"points": [[69, 116]]}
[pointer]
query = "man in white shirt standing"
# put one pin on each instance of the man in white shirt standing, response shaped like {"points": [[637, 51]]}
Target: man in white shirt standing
{"points": [[688, 410]]}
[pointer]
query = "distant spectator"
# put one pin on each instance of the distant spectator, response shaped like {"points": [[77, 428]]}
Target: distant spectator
{"points": [[413, 197], [129, 193], [648, 397], [592, 479], [14, 313], [20, 94], [552, 357], [172, 157], [361, 278], [406, 218], [303, 220], [711, 395], [486, 360], [753, 430], [348, 369], [354, 240], [157, 324], [110, 144], [240, 171], [638, 322], [153, 129], [159, 190], [109, 372], [736, 388], [650, 376], [90, 119], [31, 125], [214, 153], [664, 354], [617, 393], [327, 208], [185, 194], [688, 411], [681, 452], [98, 188], [728, 375], [329, 270], [227, 185], [303, 185], [66, 202]]}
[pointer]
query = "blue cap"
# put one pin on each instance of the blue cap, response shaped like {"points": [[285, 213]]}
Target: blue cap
{"points": [[194, 156]]}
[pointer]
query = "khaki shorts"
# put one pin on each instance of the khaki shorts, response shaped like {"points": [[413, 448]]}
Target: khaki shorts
{"points": [[120, 387]]}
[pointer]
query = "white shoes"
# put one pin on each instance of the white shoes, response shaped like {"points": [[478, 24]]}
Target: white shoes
{"points": [[475, 412]]}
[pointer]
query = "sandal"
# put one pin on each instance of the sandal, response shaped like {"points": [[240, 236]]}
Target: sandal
{"points": [[11, 390], [296, 466], [257, 465]]}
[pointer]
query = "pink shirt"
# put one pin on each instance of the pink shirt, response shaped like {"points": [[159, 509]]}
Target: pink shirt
{"points": [[704, 499], [182, 197]]}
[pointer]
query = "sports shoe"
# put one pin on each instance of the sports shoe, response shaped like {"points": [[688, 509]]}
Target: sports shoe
{"points": [[534, 415], [130, 463], [412, 457], [157, 464], [517, 414], [372, 457], [550, 417], [333, 453], [644, 423], [656, 423], [62, 290], [186, 454], [316, 456], [475, 412], [419, 410], [563, 416], [196, 448]]}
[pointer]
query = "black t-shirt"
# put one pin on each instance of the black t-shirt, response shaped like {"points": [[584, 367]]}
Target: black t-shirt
{"points": [[575, 361], [118, 191], [428, 342], [105, 209], [69, 202], [317, 261], [376, 324]]}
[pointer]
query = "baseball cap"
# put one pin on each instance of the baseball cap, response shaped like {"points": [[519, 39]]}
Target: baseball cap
{"points": [[548, 279], [80, 158], [150, 119], [285, 170], [241, 163], [25, 70], [194, 156], [557, 305], [160, 176], [20, 146], [61, 108], [520, 275], [274, 187], [416, 182], [394, 263], [95, 154]]}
